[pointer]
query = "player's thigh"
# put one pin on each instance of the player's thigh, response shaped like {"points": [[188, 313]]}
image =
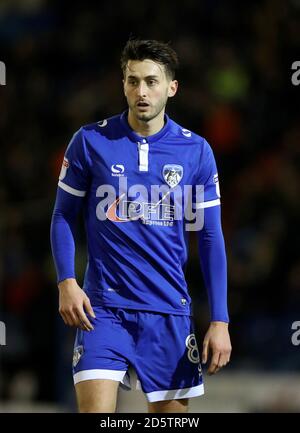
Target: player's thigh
{"points": [[98, 395]]}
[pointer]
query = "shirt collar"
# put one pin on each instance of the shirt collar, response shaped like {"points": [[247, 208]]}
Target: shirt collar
{"points": [[150, 138]]}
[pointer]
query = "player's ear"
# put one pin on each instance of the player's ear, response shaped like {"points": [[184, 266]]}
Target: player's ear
{"points": [[173, 86]]}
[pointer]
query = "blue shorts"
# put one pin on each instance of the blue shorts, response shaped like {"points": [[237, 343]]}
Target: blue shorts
{"points": [[161, 348]]}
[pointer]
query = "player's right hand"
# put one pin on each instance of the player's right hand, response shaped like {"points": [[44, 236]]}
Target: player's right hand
{"points": [[74, 304]]}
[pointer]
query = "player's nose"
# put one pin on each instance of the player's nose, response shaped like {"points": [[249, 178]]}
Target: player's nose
{"points": [[141, 89]]}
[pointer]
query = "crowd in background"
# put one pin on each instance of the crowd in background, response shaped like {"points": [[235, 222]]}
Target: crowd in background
{"points": [[62, 61]]}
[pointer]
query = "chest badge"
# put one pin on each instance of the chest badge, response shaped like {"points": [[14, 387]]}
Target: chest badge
{"points": [[172, 174]]}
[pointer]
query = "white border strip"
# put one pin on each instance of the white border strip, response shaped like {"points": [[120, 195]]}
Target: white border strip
{"points": [[98, 374], [71, 190], [143, 156], [172, 394], [206, 204]]}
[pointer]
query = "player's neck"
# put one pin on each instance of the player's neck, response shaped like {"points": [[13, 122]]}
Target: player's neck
{"points": [[144, 129]]}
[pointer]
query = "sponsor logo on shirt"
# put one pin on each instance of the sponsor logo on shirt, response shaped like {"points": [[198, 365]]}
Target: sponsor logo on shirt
{"points": [[149, 213]]}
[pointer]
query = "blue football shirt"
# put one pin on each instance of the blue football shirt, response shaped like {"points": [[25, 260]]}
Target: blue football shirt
{"points": [[135, 193]]}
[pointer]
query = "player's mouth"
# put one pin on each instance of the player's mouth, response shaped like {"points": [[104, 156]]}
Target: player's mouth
{"points": [[142, 105]]}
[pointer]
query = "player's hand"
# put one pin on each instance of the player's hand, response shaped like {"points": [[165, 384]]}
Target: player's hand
{"points": [[216, 341], [73, 305]]}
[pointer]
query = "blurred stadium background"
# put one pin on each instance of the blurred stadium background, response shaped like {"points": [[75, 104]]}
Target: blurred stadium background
{"points": [[62, 60]]}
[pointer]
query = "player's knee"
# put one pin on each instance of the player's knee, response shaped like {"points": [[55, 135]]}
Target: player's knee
{"points": [[100, 406], [96, 396], [96, 409]]}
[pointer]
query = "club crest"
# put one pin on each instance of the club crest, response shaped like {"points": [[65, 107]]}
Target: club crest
{"points": [[172, 174]]}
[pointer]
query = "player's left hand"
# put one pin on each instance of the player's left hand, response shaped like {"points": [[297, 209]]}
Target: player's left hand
{"points": [[217, 341]]}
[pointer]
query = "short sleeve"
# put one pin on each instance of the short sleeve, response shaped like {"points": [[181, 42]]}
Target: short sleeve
{"points": [[207, 189], [75, 174]]}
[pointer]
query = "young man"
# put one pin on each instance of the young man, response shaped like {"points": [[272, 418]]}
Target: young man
{"points": [[134, 175]]}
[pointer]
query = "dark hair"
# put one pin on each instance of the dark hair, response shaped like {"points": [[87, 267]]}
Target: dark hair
{"points": [[160, 52]]}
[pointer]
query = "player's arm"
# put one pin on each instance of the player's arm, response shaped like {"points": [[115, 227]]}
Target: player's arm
{"points": [[72, 186], [214, 268], [73, 301], [213, 263]]}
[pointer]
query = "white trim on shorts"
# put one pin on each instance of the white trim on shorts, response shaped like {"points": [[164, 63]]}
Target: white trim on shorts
{"points": [[100, 374], [172, 394]]}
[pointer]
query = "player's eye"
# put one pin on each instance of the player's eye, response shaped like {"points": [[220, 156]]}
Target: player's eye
{"points": [[132, 82], [152, 82]]}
